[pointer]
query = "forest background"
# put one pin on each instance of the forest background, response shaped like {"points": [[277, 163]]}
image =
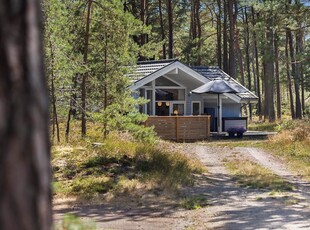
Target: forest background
{"points": [[91, 45]]}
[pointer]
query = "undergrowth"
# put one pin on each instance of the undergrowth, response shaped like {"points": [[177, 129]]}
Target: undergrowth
{"points": [[94, 166], [292, 144]]}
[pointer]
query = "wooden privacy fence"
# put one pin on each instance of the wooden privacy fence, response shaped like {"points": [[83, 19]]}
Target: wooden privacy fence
{"points": [[181, 128]]}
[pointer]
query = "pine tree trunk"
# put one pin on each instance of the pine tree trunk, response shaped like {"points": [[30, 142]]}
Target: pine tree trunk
{"points": [[199, 31], [247, 57], [257, 89], [299, 72], [225, 40], [288, 74], [269, 83], [219, 33], [25, 173], [295, 76], [170, 29], [232, 25], [278, 90], [162, 29], [84, 77]]}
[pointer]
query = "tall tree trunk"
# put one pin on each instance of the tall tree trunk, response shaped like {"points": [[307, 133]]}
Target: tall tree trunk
{"points": [[232, 25], [105, 88], [84, 77], [143, 12], [240, 59], [55, 116], [288, 74], [278, 90], [269, 64], [247, 57], [25, 173], [295, 76], [299, 71], [219, 33], [225, 39], [72, 110], [199, 31], [256, 72], [170, 28], [162, 28]]}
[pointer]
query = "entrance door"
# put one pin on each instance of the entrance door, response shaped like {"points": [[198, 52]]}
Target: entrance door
{"points": [[211, 112]]}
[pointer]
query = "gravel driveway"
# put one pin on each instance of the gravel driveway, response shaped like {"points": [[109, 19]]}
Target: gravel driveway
{"points": [[229, 206]]}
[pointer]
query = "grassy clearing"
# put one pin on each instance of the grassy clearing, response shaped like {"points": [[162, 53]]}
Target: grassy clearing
{"points": [[250, 174], [293, 145], [117, 166]]}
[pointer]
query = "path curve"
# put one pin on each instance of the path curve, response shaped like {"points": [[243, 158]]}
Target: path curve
{"points": [[248, 208]]}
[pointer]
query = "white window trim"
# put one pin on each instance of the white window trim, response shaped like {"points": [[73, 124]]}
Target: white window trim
{"points": [[177, 102], [192, 107]]}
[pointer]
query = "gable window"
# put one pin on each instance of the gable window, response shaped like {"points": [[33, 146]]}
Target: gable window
{"points": [[196, 107], [170, 94]]}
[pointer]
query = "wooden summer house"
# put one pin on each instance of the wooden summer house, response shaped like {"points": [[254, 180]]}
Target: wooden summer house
{"points": [[168, 85]]}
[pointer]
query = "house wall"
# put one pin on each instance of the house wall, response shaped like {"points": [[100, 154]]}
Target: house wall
{"points": [[228, 109], [189, 99]]}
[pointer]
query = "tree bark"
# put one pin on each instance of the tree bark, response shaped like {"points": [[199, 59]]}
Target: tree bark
{"points": [[170, 29], [299, 72], [84, 77], [232, 26], [269, 71], [288, 74], [25, 174], [247, 56], [225, 39], [219, 33], [295, 75], [256, 71], [162, 28], [278, 90]]}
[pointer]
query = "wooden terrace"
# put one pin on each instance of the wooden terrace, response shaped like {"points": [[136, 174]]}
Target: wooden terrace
{"points": [[181, 128]]}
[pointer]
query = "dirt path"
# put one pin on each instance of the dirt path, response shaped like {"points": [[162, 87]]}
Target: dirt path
{"points": [[229, 206], [233, 207]]}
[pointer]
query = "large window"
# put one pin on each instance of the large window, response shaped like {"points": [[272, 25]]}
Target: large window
{"points": [[170, 94], [178, 109], [196, 107]]}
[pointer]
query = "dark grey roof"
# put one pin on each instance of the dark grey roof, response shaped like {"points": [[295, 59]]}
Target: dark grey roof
{"points": [[146, 68], [214, 72]]}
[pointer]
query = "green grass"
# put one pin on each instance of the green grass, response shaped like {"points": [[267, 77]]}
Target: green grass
{"points": [[252, 175], [292, 144], [195, 202], [72, 222], [118, 166], [263, 126]]}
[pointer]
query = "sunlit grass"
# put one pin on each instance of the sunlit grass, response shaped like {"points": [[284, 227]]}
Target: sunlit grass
{"points": [[293, 145], [117, 165], [250, 174]]}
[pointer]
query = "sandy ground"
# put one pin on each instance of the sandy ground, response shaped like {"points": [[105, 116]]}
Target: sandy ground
{"points": [[229, 206]]}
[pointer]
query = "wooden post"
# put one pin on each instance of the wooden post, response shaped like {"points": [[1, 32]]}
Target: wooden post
{"points": [[177, 128], [208, 126]]}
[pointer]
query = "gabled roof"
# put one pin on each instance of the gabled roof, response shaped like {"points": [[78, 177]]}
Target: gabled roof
{"points": [[147, 69], [214, 72]]}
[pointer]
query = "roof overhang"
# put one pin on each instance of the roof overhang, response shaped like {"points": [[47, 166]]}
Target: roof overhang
{"points": [[170, 69]]}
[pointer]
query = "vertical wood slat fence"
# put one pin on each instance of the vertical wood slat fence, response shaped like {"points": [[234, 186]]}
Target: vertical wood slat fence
{"points": [[181, 128]]}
